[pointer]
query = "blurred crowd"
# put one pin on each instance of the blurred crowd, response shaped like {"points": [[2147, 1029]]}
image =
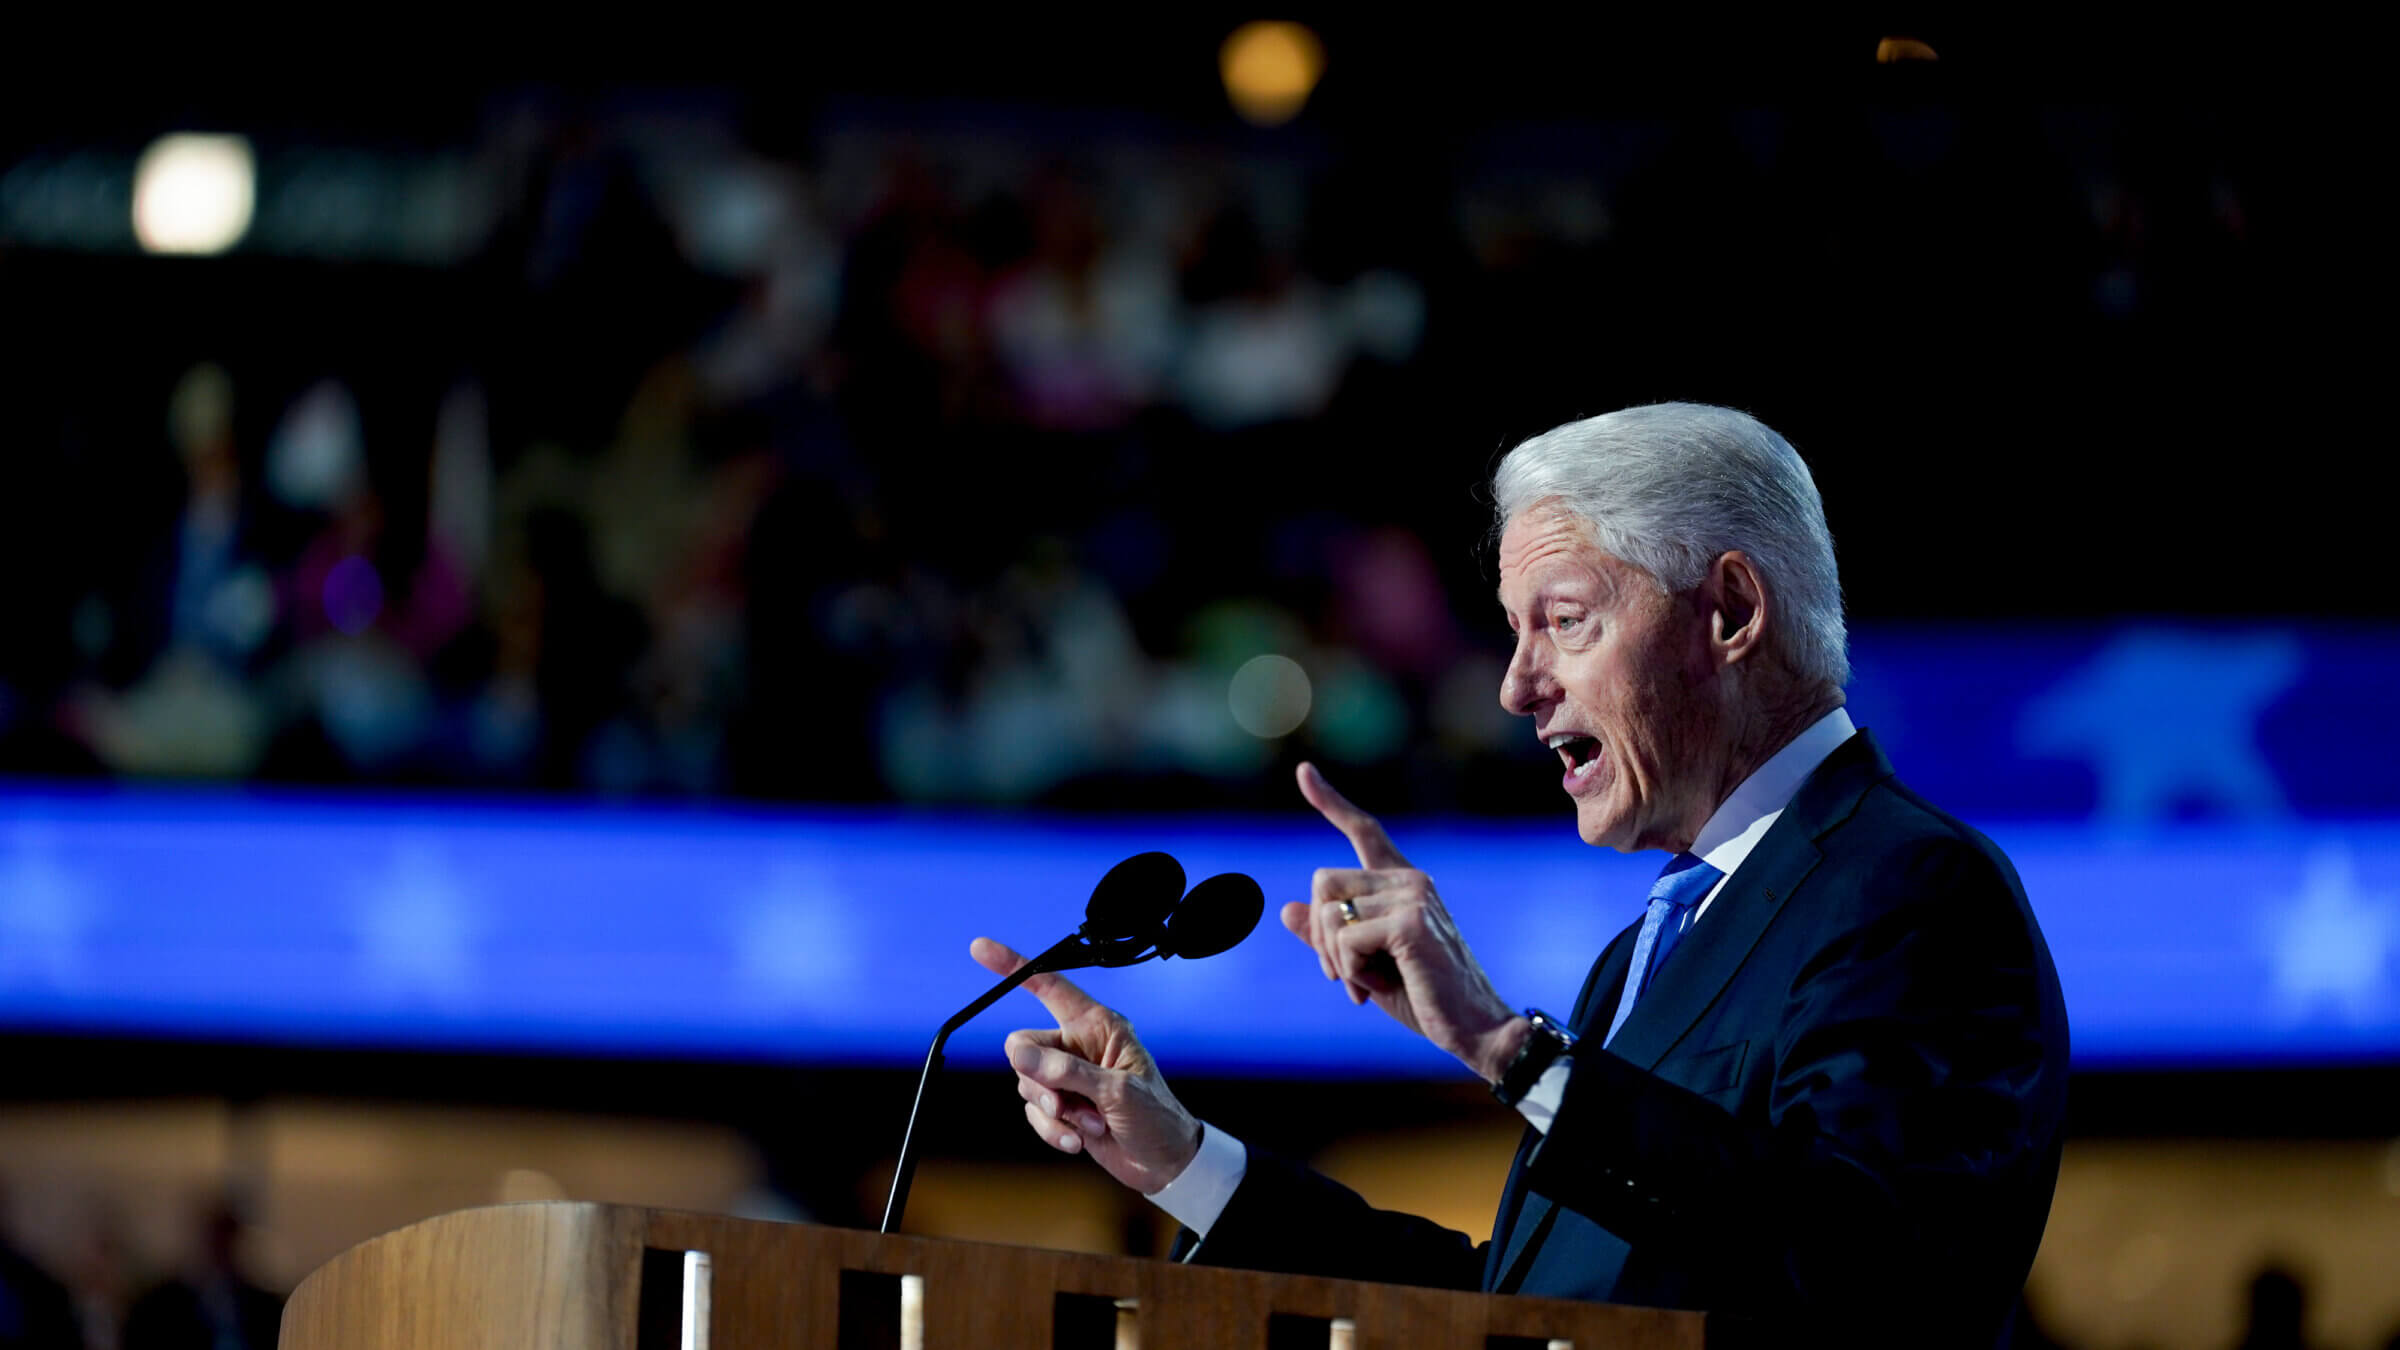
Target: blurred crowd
{"points": [[99, 1300], [935, 461]]}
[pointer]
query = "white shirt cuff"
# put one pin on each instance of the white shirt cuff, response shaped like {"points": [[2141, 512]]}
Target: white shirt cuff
{"points": [[1200, 1193], [1539, 1105]]}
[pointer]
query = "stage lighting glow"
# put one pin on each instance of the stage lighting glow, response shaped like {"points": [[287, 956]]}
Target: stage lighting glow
{"points": [[1893, 50], [1270, 696], [1270, 68], [193, 193]]}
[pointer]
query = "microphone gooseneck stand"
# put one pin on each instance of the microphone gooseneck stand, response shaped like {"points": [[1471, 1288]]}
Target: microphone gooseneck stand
{"points": [[1061, 956], [1134, 916]]}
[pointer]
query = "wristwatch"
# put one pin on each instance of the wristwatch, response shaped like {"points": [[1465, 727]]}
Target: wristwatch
{"points": [[1543, 1045]]}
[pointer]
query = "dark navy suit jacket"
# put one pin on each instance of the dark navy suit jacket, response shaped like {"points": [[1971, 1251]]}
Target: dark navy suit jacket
{"points": [[1837, 1106]]}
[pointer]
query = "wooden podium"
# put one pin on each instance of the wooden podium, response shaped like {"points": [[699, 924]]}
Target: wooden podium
{"points": [[609, 1277]]}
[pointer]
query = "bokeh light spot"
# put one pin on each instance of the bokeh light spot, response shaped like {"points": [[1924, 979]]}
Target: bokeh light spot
{"points": [[1270, 68], [193, 193], [1270, 696], [1894, 50], [353, 595]]}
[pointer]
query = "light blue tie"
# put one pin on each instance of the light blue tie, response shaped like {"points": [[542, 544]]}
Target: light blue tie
{"points": [[1680, 885]]}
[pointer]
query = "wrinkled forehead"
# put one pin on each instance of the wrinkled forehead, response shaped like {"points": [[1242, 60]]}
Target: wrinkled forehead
{"points": [[1545, 534], [1546, 546]]}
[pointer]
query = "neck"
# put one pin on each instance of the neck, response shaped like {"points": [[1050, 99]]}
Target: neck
{"points": [[1760, 729]]}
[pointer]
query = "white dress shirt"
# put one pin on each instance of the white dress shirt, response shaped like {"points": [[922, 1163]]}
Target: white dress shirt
{"points": [[1201, 1191]]}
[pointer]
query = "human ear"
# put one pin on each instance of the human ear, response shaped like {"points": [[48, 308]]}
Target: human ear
{"points": [[1739, 605]]}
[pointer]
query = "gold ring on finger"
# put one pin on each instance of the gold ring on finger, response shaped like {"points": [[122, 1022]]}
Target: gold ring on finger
{"points": [[1349, 912]]}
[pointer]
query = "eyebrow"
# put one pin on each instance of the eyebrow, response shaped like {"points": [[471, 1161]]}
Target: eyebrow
{"points": [[1603, 586]]}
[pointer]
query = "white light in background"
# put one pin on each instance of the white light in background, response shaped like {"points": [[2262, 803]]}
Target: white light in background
{"points": [[193, 193], [1270, 68], [1270, 696]]}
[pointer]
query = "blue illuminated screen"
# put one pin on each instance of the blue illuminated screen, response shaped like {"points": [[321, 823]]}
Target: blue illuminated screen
{"points": [[2206, 820]]}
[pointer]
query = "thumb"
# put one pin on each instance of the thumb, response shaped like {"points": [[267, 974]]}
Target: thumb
{"points": [[1295, 917]]}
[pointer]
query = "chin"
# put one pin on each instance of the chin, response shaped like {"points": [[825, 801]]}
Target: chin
{"points": [[1604, 828]]}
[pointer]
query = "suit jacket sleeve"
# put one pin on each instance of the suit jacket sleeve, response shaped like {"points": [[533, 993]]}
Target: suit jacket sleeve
{"points": [[1285, 1217], [1914, 1099]]}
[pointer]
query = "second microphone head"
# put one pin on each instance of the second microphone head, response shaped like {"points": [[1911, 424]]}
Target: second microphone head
{"points": [[1218, 914]]}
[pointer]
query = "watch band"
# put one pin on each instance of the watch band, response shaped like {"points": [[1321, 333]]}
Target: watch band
{"points": [[1548, 1040]]}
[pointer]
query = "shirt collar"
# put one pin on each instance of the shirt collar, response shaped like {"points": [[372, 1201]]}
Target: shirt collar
{"points": [[1747, 815]]}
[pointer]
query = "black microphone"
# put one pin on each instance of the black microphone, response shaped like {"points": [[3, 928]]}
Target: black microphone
{"points": [[1216, 916], [1138, 912], [1131, 902]]}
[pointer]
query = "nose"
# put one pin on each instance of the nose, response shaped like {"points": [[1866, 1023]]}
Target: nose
{"points": [[1524, 686]]}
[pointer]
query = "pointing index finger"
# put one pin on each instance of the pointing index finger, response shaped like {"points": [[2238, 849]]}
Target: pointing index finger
{"points": [[1057, 992], [1365, 833]]}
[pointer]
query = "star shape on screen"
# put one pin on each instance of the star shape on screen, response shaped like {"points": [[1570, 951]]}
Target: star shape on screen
{"points": [[44, 910], [2331, 942], [2168, 719], [417, 925], [795, 940]]}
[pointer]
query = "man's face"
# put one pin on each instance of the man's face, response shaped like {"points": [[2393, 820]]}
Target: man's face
{"points": [[1618, 680]]}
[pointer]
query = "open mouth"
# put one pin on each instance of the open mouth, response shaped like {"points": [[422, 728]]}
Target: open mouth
{"points": [[1581, 753]]}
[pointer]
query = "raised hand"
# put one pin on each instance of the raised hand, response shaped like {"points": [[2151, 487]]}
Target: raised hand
{"points": [[1403, 952], [1090, 1087]]}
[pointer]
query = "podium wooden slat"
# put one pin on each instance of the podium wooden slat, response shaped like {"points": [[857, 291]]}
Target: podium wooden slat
{"points": [[564, 1276]]}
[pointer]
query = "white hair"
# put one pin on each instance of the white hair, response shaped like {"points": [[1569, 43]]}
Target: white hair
{"points": [[1671, 487]]}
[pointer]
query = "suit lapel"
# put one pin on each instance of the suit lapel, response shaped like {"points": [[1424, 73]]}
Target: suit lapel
{"points": [[1705, 962], [1605, 982]]}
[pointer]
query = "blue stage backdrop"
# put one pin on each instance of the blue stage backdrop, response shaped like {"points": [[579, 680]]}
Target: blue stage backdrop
{"points": [[2207, 822]]}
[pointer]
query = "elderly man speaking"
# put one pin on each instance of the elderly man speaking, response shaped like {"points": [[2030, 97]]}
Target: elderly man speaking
{"points": [[1818, 1082]]}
